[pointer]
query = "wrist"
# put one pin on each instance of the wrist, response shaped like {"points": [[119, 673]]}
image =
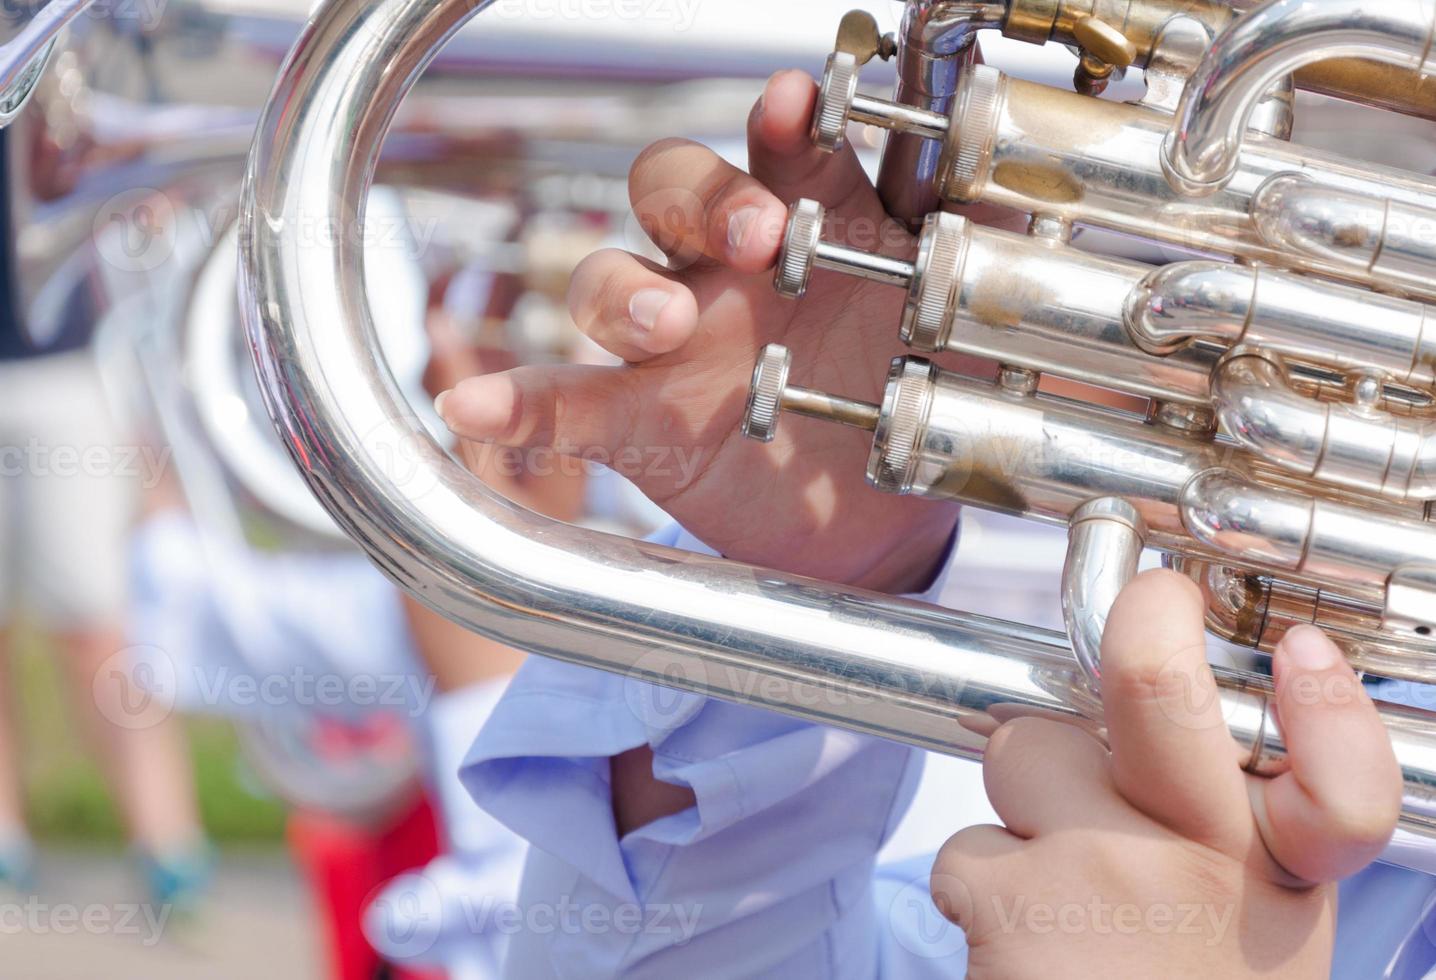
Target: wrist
{"points": [[915, 556]]}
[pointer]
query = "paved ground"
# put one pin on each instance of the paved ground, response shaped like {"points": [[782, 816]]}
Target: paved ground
{"points": [[84, 924]]}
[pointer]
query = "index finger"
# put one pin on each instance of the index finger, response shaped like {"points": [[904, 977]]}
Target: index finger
{"points": [[1172, 754]]}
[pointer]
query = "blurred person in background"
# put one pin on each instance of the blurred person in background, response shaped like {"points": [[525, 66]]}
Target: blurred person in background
{"points": [[449, 914], [68, 487], [210, 607]]}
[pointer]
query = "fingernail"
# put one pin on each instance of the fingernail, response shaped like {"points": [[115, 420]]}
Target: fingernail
{"points": [[739, 225], [439, 405], [645, 306], [1308, 648]]}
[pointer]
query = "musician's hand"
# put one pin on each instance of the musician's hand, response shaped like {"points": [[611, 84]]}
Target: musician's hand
{"points": [[669, 419], [1162, 858]]}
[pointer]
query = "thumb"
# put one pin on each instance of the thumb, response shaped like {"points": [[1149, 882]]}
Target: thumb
{"points": [[1334, 811]]}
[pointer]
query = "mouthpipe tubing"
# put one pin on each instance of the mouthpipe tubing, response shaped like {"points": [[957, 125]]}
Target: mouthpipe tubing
{"points": [[1259, 48], [1032, 148]]}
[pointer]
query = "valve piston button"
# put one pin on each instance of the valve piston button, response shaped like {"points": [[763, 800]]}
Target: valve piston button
{"points": [[835, 102]]}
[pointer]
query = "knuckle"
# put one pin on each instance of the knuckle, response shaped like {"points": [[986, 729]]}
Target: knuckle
{"points": [[1138, 679], [950, 885], [651, 162], [1174, 685]]}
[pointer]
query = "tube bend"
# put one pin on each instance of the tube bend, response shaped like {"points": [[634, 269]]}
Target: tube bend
{"points": [[1181, 303], [1363, 449], [1258, 49], [1258, 409], [1104, 545], [861, 661]]}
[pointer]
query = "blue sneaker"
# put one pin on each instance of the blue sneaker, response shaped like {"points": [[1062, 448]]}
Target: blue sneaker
{"points": [[178, 878], [17, 865]]}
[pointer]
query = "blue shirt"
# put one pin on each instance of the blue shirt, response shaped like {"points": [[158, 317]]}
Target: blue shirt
{"points": [[772, 874], [775, 873]]}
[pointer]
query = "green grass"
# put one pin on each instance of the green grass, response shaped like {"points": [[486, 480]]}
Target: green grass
{"points": [[67, 798]]}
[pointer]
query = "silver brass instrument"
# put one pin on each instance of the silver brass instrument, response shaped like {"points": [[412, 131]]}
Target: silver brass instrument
{"points": [[1285, 462]]}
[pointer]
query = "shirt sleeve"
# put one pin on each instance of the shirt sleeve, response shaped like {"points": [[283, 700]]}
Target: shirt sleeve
{"points": [[771, 874], [231, 632]]}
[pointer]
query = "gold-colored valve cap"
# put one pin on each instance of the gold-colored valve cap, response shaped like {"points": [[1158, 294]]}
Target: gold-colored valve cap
{"points": [[1104, 42]]}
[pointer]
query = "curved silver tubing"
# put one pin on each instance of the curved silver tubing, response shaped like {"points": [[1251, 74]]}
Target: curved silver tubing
{"points": [[1256, 611], [1376, 238], [23, 57], [865, 662], [1227, 304], [1350, 446], [1257, 50], [1265, 528], [1104, 545]]}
